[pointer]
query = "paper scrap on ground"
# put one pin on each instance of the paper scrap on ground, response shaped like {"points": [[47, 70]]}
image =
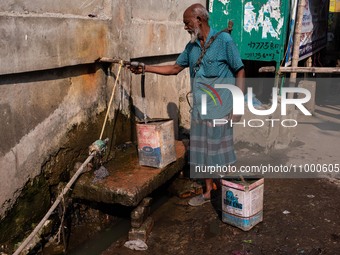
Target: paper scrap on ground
{"points": [[137, 245]]}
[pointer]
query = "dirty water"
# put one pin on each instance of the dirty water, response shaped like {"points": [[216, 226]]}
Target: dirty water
{"points": [[103, 239], [96, 226]]}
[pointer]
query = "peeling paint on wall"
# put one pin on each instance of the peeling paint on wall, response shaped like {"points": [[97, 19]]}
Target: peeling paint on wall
{"points": [[211, 5], [268, 16], [226, 4]]}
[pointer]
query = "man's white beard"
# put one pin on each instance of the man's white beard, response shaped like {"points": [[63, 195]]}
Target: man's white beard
{"points": [[194, 35]]}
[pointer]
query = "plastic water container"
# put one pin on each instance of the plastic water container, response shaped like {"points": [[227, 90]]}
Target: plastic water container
{"points": [[156, 143], [242, 202]]}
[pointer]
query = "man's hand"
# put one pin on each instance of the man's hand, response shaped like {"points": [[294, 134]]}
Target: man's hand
{"points": [[135, 69]]}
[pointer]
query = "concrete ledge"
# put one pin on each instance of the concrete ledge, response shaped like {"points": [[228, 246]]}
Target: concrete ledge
{"points": [[74, 7], [128, 182]]}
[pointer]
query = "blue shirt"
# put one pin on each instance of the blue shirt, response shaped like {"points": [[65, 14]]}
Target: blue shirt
{"points": [[219, 65]]}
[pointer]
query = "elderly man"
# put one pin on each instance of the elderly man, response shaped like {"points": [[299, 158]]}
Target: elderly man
{"points": [[212, 58]]}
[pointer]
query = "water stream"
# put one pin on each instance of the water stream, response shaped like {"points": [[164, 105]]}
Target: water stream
{"points": [[144, 110]]}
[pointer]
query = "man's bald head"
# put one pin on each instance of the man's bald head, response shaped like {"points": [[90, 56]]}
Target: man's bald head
{"points": [[197, 10]]}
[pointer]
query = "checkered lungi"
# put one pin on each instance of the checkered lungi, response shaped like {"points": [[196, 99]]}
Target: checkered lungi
{"points": [[209, 145]]}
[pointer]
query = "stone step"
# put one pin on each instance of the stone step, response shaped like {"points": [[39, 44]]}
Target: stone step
{"points": [[128, 182]]}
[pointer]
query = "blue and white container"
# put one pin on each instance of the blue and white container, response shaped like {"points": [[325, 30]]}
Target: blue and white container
{"points": [[242, 203]]}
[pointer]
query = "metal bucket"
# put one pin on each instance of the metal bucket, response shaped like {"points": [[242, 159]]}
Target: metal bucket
{"points": [[156, 143]]}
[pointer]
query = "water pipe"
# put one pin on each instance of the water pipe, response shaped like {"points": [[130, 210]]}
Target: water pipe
{"points": [[55, 204]]}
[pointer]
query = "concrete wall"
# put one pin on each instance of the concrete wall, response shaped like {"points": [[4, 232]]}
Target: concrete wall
{"points": [[158, 31], [46, 35], [268, 132], [51, 89]]}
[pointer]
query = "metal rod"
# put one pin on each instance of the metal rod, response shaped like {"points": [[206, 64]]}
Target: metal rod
{"points": [[115, 61]]}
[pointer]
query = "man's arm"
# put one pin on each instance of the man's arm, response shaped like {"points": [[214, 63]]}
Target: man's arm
{"points": [[240, 79], [163, 70]]}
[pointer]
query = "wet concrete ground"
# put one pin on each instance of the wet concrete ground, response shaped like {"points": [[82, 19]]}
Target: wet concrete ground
{"points": [[301, 215], [311, 227]]}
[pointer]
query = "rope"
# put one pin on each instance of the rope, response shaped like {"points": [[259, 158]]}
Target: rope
{"points": [[111, 99], [200, 58], [206, 47]]}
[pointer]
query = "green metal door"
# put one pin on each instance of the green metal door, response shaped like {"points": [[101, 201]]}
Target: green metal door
{"points": [[259, 27]]}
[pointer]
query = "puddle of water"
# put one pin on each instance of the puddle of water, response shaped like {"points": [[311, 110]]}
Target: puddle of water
{"points": [[103, 239]]}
